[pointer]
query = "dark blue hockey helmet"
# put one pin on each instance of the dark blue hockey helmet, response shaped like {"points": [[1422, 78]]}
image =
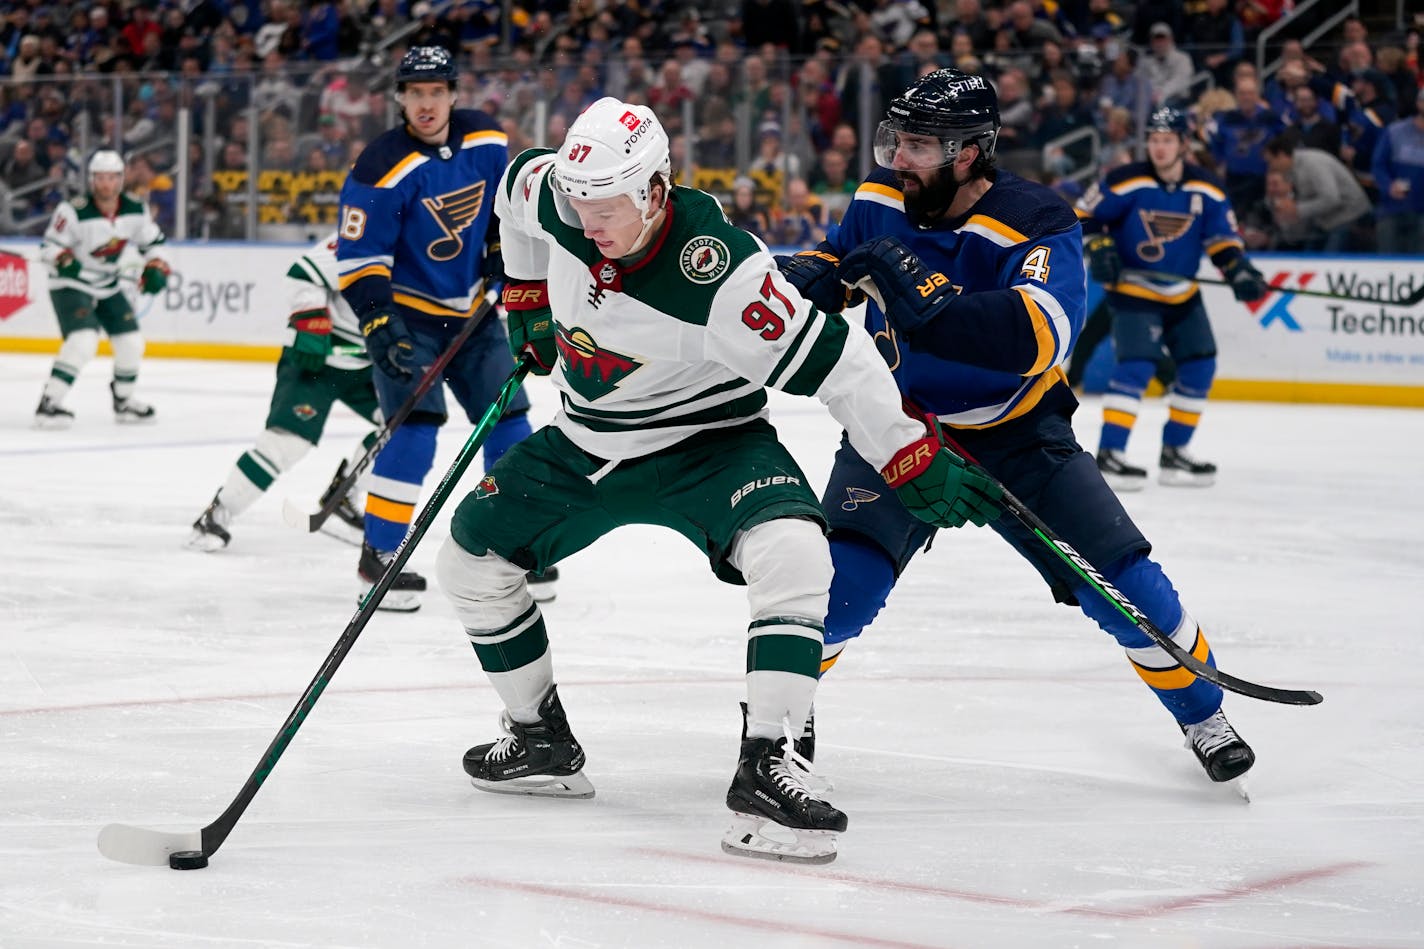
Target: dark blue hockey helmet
{"points": [[426, 64], [1167, 119], [956, 107]]}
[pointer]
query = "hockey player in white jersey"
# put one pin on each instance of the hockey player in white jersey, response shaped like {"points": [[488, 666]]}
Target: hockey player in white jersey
{"points": [[84, 246], [662, 324], [324, 362]]}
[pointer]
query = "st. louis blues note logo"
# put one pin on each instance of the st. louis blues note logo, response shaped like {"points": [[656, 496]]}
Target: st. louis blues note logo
{"points": [[704, 259], [855, 497], [454, 211], [1162, 227]]}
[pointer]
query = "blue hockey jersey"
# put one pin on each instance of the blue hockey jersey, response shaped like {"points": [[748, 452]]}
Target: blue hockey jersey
{"points": [[416, 218], [1016, 260], [1161, 227]]}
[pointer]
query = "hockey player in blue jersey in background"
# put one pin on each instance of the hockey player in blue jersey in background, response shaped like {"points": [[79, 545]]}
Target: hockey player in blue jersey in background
{"points": [[417, 246], [1159, 215], [977, 285]]}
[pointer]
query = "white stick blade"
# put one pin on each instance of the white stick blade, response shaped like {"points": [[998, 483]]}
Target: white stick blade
{"points": [[148, 848], [294, 516]]}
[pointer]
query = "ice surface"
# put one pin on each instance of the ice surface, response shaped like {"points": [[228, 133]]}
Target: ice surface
{"points": [[1010, 783]]}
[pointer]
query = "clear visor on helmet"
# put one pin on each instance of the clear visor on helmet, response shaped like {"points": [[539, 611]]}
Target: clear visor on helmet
{"points": [[895, 148], [604, 214]]}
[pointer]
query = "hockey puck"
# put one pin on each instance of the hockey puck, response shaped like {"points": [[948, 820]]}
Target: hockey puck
{"points": [[187, 860]]}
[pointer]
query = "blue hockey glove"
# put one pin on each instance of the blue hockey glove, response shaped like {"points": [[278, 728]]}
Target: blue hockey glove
{"points": [[313, 340], [1104, 262], [908, 292], [388, 342], [937, 486], [813, 274], [67, 265], [531, 324], [1248, 283]]}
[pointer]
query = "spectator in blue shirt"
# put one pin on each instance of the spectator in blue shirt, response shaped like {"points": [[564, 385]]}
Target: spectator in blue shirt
{"points": [[1398, 168], [1238, 142]]}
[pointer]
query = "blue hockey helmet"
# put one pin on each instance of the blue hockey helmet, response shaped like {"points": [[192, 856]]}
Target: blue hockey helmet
{"points": [[426, 64], [1167, 119], [956, 107]]}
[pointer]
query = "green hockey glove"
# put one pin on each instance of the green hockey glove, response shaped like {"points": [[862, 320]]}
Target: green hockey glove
{"points": [[531, 324], [67, 265], [937, 486], [154, 277], [313, 341]]}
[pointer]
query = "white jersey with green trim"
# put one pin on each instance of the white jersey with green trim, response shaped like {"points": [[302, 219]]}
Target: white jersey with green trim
{"points": [[687, 337], [103, 244], [312, 284]]}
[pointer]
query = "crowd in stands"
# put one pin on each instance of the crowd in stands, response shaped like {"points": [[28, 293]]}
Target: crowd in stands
{"points": [[769, 102]]}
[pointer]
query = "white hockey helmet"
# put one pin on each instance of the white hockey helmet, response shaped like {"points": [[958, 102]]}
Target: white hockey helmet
{"points": [[612, 148], [105, 159]]}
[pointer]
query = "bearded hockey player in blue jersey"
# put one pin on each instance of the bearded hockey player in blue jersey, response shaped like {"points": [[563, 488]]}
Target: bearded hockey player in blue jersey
{"points": [[1159, 215], [977, 293], [417, 245]]}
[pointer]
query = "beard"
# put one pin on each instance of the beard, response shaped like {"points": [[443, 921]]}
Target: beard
{"points": [[926, 204]]}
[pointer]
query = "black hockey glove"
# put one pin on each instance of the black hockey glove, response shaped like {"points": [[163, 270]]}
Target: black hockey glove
{"points": [[531, 324], [492, 267], [1104, 262], [908, 292], [813, 274], [1248, 283], [388, 342]]}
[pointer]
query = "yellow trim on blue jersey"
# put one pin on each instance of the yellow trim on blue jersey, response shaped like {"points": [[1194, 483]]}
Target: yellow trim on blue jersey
{"points": [[386, 510], [1026, 404], [429, 306], [1042, 331], [484, 137], [370, 270], [1204, 187], [1177, 677], [1119, 418], [1132, 184], [1224, 243], [983, 222], [1143, 293], [402, 168], [886, 191]]}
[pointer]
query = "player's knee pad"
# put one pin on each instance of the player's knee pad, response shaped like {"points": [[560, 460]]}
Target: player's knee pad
{"points": [[408, 455], [1131, 376], [1142, 581], [487, 591], [864, 577], [1194, 377], [787, 568], [510, 431], [128, 352], [78, 348], [282, 448]]}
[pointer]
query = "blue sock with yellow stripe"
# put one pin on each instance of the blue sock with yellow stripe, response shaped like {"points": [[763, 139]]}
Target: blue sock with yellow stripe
{"points": [[394, 488], [1122, 401], [1187, 399]]}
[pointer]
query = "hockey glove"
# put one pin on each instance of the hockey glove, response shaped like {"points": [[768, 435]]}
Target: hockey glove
{"points": [[154, 277], [813, 274], [492, 267], [67, 265], [1104, 262], [388, 342], [937, 486], [1248, 283], [531, 324], [909, 293], [313, 342]]}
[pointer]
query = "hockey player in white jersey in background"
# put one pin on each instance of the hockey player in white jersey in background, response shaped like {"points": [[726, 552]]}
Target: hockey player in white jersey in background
{"points": [[662, 324], [323, 362], [84, 247]]}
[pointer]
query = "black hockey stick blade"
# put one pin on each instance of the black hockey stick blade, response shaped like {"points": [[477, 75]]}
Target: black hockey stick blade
{"points": [[139, 845], [1119, 600], [300, 519], [1412, 299]]}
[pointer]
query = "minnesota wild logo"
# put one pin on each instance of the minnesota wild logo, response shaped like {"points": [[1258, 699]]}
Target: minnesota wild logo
{"points": [[590, 370], [110, 249], [487, 487]]}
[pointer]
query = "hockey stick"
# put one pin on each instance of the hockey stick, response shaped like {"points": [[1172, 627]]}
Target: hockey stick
{"points": [[1414, 297], [128, 844], [296, 517], [1119, 601]]}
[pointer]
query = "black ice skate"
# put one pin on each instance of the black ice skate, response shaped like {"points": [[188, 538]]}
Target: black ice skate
{"points": [[50, 414], [542, 589], [774, 816], [542, 759], [130, 410], [1179, 469], [210, 530], [403, 595], [347, 523], [1120, 475], [805, 757], [1220, 750]]}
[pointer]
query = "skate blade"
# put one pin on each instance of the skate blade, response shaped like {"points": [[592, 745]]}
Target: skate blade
{"points": [[1242, 789], [46, 424], [128, 419], [1182, 479], [1121, 485], [395, 601], [206, 543], [764, 839], [548, 785]]}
